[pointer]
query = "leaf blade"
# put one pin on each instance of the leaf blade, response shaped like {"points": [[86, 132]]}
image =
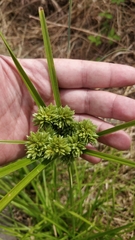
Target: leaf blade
{"points": [[31, 88], [117, 128], [110, 157], [21, 185], [14, 166], [49, 56]]}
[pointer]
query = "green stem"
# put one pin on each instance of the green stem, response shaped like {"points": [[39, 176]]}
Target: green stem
{"points": [[71, 192], [70, 184], [55, 179], [78, 181], [46, 193], [49, 56]]}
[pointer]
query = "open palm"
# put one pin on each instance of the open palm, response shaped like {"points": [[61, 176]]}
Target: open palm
{"points": [[78, 83]]}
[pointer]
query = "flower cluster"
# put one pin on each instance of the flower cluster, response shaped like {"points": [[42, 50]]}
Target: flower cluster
{"points": [[59, 135], [58, 118]]}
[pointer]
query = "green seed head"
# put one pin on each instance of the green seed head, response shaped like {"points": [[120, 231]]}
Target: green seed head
{"points": [[59, 135]]}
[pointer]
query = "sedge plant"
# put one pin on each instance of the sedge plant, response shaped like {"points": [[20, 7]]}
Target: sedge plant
{"points": [[59, 139]]}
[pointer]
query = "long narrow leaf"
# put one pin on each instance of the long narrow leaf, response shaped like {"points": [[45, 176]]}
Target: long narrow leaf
{"points": [[32, 90], [76, 215], [14, 166], [52, 221], [109, 157], [117, 128], [111, 232], [12, 141], [49, 56], [21, 185]]}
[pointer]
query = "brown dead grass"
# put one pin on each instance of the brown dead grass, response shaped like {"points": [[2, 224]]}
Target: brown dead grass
{"points": [[20, 24]]}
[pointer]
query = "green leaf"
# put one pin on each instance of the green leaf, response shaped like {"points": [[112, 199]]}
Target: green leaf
{"points": [[74, 214], [111, 232], [110, 157], [106, 15], [118, 1], [14, 166], [117, 128], [112, 35], [49, 56], [32, 90], [12, 141], [21, 185], [51, 220], [95, 39]]}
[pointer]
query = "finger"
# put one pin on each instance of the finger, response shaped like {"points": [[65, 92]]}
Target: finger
{"points": [[99, 104], [119, 140], [90, 74], [81, 74]]}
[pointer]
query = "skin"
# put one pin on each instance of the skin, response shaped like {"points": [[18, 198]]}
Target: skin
{"points": [[78, 82]]}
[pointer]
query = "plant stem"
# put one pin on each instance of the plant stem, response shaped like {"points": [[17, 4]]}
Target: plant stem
{"points": [[55, 179], [70, 184], [71, 192]]}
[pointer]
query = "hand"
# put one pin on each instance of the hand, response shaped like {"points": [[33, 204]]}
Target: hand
{"points": [[77, 82]]}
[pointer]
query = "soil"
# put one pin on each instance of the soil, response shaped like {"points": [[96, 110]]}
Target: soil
{"points": [[6, 237]]}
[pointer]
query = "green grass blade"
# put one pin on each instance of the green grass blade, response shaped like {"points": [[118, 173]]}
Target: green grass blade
{"points": [[32, 90], [21, 185], [56, 224], [117, 128], [49, 56], [74, 214], [14, 166], [110, 232], [110, 157]]}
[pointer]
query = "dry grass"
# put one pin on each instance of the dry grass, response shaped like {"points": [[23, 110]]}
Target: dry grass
{"points": [[20, 24]]}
